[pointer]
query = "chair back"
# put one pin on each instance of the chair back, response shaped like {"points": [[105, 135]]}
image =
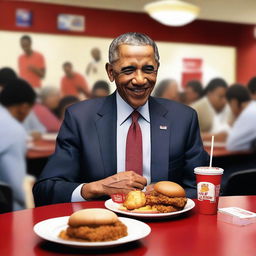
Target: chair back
{"points": [[6, 198], [241, 183]]}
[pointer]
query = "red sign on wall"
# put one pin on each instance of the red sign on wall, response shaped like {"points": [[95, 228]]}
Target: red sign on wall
{"points": [[192, 70]]}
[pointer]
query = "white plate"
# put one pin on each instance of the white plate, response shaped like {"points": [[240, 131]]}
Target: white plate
{"points": [[50, 229], [109, 204], [49, 136]]}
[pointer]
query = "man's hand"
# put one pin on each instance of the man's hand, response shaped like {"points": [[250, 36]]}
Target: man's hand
{"points": [[122, 182]]}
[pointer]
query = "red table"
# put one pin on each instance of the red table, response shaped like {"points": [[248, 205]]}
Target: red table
{"points": [[189, 235], [41, 148]]}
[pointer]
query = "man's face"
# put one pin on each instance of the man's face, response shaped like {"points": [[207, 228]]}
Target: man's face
{"points": [[23, 111], [218, 98], [26, 45], [134, 73], [96, 54], [100, 92], [171, 93], [68, 69], [191, 95], [235, 107]]}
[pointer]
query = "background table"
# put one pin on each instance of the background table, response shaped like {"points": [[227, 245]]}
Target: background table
{"points": [[191, 234]]}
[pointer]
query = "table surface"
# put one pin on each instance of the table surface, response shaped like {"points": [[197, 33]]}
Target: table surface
{"points": [[191, 234]]}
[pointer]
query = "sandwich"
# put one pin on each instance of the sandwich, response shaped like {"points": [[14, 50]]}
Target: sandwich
{"points": [[167, 196], [94, 225]]}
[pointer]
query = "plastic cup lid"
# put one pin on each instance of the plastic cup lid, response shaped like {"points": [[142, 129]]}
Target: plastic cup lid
{"points": [[206, 170]]}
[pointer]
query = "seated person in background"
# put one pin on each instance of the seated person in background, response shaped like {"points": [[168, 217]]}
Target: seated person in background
{"points": [[45, 108], [73, 83], [167, 89], [151, 137], [16, 100], [6, 76], [213, 113], [50, 97], [243, 131], [193, 91], [64, 103], [100, 89], [33, 126], [252, 88]]}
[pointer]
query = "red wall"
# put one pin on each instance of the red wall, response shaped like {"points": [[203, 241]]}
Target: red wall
{"points": [[106, 23], [246, 55]]}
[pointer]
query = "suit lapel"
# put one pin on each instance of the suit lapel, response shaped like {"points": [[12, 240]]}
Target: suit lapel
{"points": [[106, 129], [160, 141]]}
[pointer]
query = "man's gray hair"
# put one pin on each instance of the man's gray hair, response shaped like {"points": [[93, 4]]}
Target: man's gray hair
{"points": [[131, 38]]}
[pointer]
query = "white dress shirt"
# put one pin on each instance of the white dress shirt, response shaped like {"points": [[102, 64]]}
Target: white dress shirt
{"points": [[243, 131], [124, 121]]}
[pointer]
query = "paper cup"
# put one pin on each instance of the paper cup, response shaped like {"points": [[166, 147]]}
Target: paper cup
{"points": [[208, 188], [118, 198]]}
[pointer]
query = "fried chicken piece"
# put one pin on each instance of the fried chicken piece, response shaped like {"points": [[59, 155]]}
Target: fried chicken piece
{"points": [[165, 208], [135, 199], [155, 198], [95, 233]]}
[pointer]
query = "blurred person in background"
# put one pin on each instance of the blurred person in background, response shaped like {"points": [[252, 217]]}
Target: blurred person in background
{"points": [[16, 101], [243, 131], [95, 69], [46, 108], [64, 103], [31, 64], [213, 113], [50, 97], [252, 88], [7, 75], [167, 89], [73, 83], [193, 91], [93, 65], [33, 126], [100, 89]]}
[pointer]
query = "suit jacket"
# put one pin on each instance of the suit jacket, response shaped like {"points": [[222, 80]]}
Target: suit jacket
{"points": [[86, 147]]}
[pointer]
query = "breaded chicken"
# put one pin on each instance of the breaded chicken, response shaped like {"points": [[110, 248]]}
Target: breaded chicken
{"points": [[135, 199], [164, 208], [154, 198], [95, 233]]}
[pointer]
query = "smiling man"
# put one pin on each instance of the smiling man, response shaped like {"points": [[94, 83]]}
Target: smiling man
{"points": [[126, 140]]}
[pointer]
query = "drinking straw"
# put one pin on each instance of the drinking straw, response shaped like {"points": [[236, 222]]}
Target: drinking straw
{"points": [[211, 151]]}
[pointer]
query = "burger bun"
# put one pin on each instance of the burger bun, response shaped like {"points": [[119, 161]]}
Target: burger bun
{"points": [[91, 217], [170, 189]]}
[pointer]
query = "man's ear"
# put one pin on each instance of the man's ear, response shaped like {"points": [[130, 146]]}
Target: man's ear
{"points": [[110, 72]]}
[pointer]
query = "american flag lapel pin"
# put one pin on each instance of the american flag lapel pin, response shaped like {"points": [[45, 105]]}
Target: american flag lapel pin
{"points": [[163, 127]]}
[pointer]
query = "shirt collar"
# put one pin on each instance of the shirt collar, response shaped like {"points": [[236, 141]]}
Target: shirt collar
{"points": [[124, 110]]}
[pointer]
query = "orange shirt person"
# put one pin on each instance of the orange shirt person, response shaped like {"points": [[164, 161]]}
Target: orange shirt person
{"points": [[73, 83], [31, 63]]}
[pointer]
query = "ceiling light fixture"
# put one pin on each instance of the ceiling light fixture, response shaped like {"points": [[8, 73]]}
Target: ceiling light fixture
{"points": [[172, 12]]}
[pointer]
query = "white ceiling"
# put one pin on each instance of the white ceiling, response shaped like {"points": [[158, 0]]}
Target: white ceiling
{"points": [[239, 11]]}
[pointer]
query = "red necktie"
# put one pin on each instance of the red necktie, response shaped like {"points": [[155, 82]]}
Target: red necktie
{"points": [[133, 160]]}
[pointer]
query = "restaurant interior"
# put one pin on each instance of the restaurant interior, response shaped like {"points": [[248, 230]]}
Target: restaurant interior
{"points": [[60, 52]]}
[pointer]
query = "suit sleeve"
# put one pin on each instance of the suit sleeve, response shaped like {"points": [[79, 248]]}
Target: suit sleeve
{"points": [[59, 177], [195, 156]]}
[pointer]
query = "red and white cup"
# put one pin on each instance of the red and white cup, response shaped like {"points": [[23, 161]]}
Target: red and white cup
{"points": [[208, 188], [118, 198]]}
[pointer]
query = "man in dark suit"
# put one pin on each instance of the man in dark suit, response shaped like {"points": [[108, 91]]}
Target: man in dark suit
{"points": [[94, 155]]}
